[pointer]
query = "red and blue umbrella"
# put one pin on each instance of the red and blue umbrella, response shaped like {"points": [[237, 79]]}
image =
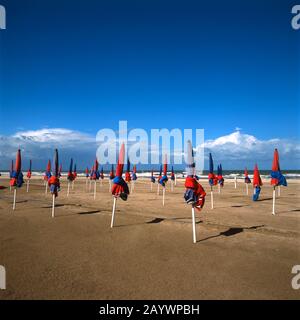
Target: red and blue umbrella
{"points": [[247, 179], [220, 176], [212, 179], [257, 183], [134, 176], [17, 175], [112, 173], [120, 187], [277, 178], [29, 172], [164, 179], [127, 173], [53, 182], [152, 177], [75, 171], [172, 174], [194, 194], [102, 174], [47, 175], [96, 173], [70, 176]]}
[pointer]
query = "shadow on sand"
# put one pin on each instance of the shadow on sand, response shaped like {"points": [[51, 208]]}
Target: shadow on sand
{"points": [[231, 232]]}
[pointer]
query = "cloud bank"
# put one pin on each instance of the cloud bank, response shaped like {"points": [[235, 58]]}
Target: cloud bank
{"points": [[234, 151]]}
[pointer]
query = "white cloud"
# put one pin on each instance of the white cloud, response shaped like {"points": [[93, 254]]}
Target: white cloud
{"points": [[234, 151], [238, 149]]}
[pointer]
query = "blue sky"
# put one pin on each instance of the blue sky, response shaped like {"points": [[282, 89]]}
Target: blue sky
{"points": [[215, 65]]}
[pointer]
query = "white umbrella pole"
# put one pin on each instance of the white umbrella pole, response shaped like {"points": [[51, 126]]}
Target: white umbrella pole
{"points": [[95, 189], [164, 194], [175, 180], [86, 184], [212, 198], [219, 186], [172, 185], [46, 188], [151, 186], [131, 186], [15, 197], [68, 191], [27, 187], [73, 184], [279, 191], [53, 205], [158, 188], [109, 186], [90, 186], [113, 213], [194, 225], [274, 199], [247, 189], [235, 183]]}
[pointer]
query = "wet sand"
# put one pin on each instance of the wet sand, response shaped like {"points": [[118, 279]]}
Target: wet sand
{"points": [[243, 251]]}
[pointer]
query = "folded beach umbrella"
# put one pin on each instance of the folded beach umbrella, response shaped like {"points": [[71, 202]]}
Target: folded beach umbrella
{"points": [[11, 171], [120, 188], [212, 179], [70, 176], [29, 172], [95, 176], [112, 173], [277, 178], [172, 174], [246, 174], [247, 180], [220, 176], [194, 194], [53, 182], [159, 178], [102, 174], [47, 174], [152, 177], [75, 171], [164, 179], [134, 176], [127, 173], [172, 178], [257, 183], [87, 172], [74, 176], [16, 180]]}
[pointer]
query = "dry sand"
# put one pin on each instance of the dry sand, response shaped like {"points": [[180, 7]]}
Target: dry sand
{"points": [[243, 252]]}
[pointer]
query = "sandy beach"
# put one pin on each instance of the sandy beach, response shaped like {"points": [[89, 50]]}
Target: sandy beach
{"points": [[243, 252]]}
